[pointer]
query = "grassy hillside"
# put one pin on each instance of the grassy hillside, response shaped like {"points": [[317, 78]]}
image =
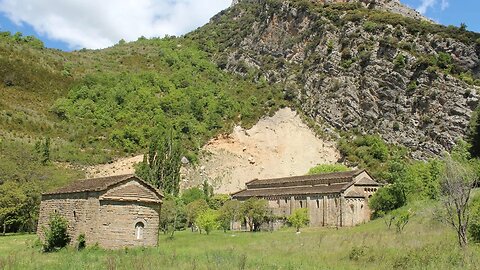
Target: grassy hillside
{"points": [[424, 244], [95, 105]]}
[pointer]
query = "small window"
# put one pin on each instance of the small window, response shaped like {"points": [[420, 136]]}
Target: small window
{"points": [[318, 203], [286, 201], [139, 230], [75, 216], [301, 204]]}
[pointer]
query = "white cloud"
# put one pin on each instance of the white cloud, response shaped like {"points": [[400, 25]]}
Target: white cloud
{"points": [[427, 4], [101, 23], [444, 5]]}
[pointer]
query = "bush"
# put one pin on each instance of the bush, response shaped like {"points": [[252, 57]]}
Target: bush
{"points": [[444, 60], [192, 194], [328, 168], [207, 221], [400, 61], [81, 242], [56, 236], [370, 26], [387, 199], [299, 218]]}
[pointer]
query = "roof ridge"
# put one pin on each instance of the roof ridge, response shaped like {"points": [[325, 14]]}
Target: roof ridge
{"points": [[97, 184]]}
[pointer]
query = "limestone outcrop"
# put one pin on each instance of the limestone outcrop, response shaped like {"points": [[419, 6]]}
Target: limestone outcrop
{"points": [[356, 75]]}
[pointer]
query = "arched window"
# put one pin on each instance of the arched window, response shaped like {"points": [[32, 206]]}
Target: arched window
{"points": [[301, 204], [139, 230]]}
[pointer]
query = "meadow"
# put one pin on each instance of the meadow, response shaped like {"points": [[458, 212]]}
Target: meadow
{"points": [[424, 244]]}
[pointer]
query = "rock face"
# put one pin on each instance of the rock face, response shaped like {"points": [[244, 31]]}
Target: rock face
{"points": [[277, 146], [355, 76], [387, 5]]}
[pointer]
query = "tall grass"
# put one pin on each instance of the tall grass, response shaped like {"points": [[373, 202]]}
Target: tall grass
{"points": [[424, 244]]}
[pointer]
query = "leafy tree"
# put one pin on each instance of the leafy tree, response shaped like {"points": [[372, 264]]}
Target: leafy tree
{"points": [[11, 200], [299, 218], [229, 213], [207, 221], [56, 236], [19, 206], [217, 201], [255, 212], [387, 199], [192, 194], [171, 215], [328, 168], [194, 209], [161, 166]]}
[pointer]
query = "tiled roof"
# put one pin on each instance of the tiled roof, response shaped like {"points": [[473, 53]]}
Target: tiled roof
{"points": [[318, 179], [304, 190], [327, 183], [366, 182], [97, 184]]}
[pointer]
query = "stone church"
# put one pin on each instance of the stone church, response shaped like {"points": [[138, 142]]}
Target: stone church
{"points": [[115, 212], [332, 199]]}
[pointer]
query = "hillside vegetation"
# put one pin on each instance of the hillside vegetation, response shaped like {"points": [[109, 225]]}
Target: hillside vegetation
{"points": [[424, 244], [350, 70]]}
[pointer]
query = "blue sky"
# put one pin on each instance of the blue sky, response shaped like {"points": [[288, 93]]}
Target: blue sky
{"points": [[75, 24]]}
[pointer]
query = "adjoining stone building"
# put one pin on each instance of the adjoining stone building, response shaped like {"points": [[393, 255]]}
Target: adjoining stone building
{"points": [[332, 199], [115, 212]]}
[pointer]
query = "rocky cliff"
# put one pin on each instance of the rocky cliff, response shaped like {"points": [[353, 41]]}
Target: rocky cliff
{"points": [[357, 69], [393, 6]]}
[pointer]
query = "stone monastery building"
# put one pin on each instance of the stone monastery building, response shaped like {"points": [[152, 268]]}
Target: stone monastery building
{"points": [[115, 212], [332, 199]]}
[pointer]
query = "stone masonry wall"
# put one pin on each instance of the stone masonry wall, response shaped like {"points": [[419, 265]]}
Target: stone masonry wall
{"points": [[117, 220], [74, 207]]}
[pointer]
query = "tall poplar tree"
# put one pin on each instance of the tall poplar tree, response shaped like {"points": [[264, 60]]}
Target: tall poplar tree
{"points": [[161, 165]]}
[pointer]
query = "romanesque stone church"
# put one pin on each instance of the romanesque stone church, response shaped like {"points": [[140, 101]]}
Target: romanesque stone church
{"points": [[332, 199], [115, 212]]}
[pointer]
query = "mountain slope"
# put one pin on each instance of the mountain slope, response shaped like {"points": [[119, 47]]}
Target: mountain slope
{"points": [[356, 69]]}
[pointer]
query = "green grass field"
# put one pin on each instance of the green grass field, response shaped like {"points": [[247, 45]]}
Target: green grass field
{"points": [[424, 244]]}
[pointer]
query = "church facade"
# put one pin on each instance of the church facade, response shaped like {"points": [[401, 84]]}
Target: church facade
{"points": [[337, 199]]}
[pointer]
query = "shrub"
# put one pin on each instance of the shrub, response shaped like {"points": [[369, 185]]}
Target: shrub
{"points": [[81, 242], [396, 126], [207, 221], [444, 60], [56, 236], [401, 217], [356, 253], [299, 218], [387, 199], [328, 168], [412, 86], [330, 46], [370, 26], [192, 194], [400, 61]]}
